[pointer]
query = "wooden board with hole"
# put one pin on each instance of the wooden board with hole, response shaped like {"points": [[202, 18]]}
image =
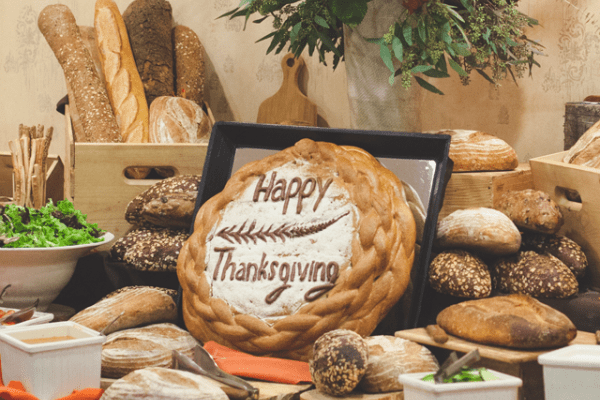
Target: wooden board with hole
{"points": [[582, 217]]}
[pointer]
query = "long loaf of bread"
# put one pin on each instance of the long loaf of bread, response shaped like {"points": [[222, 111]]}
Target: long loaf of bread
{"points": [[58, 25], [189, 64], [125, 88]]}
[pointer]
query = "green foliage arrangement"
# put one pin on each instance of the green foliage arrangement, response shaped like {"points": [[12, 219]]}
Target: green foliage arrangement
{"points": [[486, 36]]}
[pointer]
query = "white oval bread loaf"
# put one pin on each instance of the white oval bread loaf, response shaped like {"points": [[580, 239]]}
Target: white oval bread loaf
{"points": [[479, 151], [482, 230], [390, 356], [140, 305], [178, 120], [57, 24], [123, 82], [164, 384]]}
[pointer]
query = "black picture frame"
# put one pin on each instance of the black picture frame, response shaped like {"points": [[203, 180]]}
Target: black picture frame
{"points": [[229, 137]]}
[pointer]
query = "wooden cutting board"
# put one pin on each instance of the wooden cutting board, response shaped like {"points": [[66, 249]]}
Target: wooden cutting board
{"points": [[354, 395], [288, 106]]}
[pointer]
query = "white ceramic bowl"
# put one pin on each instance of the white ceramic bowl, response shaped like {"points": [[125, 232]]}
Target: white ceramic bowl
{"points": [[39, 272]]}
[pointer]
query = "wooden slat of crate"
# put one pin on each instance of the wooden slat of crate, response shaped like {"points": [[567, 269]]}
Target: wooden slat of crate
{"points": [[582, 220], [100, 188], [479, 189]]}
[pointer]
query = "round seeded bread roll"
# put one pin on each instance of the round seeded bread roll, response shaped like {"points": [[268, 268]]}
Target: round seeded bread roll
{"points": [[482, 230], [390, 356], [515, 320], [531, 209], [339, 362], [461, 274], [561, 247]]}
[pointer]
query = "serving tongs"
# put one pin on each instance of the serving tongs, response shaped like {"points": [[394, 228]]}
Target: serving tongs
{"points": [[22, 315], [453, 365], [203, 364]]}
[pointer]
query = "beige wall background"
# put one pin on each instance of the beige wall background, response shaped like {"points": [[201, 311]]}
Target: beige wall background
{"points": [[240, 76]]}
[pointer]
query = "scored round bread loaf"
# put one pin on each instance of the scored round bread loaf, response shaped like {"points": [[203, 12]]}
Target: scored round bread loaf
{"points": [[168, 203], [189, 64], [531, 209], [481, 230], [313, 238], [164, 384], [149, 346], [561, 247], [515, 320], [586, 151], [178, 120], [390, 356], [461, 274], [150, 249], [140, 305], [479, 151]]}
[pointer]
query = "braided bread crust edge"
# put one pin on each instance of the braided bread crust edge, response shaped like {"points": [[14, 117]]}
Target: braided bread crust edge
{"points": [[383, 251]]}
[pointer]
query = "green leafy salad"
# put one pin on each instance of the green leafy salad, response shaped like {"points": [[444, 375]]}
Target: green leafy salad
{"points": [[50, 226], [467, 375]]}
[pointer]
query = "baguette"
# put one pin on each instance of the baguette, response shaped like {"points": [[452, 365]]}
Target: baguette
{"points": [[58, 25], [189, 64], [125, 88]]}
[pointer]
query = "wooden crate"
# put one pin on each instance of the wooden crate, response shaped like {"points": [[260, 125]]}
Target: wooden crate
{"points": [[95, 175], [54, 178], [582, 218], [480, 189]]}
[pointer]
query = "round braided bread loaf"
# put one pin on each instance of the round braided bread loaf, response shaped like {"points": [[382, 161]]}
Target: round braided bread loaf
{"points": [[355, 212]]}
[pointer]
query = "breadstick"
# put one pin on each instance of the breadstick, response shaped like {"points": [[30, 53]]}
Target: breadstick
{"points": [[437, 334], [16, 160]]}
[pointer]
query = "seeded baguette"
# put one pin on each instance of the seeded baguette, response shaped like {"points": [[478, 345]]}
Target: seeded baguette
{"points": [[58, 25], [189, 64]]}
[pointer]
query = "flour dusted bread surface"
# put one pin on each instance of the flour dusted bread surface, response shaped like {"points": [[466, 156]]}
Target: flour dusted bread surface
{"points": [[162, 383], [479, 151], [178, 120], [313, 238], [515, 320], [390, 356], [140, 305], [586, 151]]}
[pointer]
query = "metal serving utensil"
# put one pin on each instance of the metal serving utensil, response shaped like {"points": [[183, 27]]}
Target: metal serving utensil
{"points": [[22, 315], [203, 364], [453, 365]]}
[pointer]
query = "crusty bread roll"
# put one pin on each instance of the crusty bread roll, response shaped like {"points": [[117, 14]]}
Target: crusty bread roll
{"points": [[461, 274], [390, 356], [531, 209], [141, 305], [164, 384], [515, 320], [479, 151], [57, 24], [189, 64], [561, 247], [586, 151], [178, 120], [481, 230]]}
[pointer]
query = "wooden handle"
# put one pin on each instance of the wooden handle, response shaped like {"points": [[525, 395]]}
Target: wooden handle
{"points": [[291, 67], [437, 334]]}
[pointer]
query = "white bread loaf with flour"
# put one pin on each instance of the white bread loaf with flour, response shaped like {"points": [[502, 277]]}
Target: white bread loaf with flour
{"points": [[586, 151], [88, 93], [178, 120], [125, 88]]}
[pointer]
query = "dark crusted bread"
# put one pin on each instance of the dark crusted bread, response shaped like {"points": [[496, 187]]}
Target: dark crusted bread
{"points": [[169, 203], [515, 320], [535, 274], [150, 249], [189, 64], [461, 274], [561, 247], [531, 209]]}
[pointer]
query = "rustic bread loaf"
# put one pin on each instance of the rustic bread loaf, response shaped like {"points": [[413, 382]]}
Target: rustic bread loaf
{"points": [[537, 275], [500, 269], [149, 346], [168, 203], [390, 356], [123, 82], [481, 230], [531, 209], [479, 151], [586, 151], [164, 384], [189, 64], [339, 362], [461, 274], [140, 305], [515, 320], [57, 24], [178, 120], [150, 249], [149, 24], [561, 247]]}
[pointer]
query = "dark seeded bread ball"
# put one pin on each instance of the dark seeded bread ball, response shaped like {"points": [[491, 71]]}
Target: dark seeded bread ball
{"points": [[339, 362], [561, 247], [461, 274]]}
